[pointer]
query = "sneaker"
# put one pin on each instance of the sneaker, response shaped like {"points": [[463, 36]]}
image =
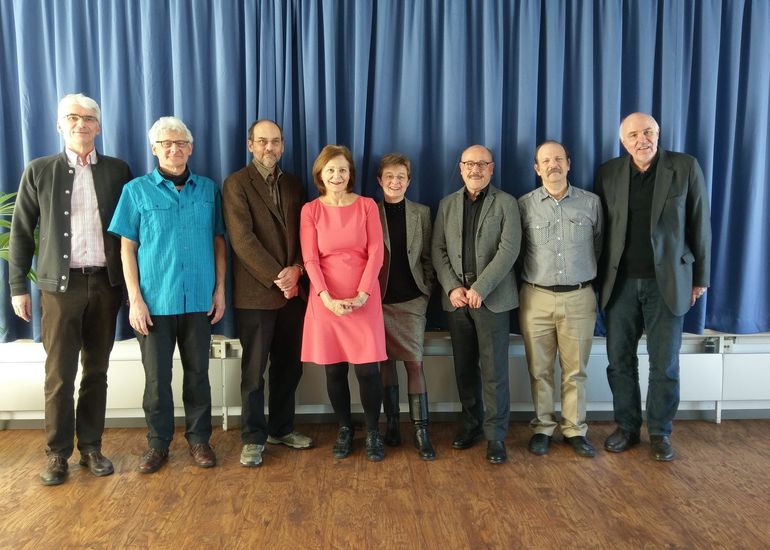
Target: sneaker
{"points": [[251, 454], [295, 440]]}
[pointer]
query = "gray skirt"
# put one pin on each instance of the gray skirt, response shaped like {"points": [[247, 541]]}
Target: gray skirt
{"points": [[405, 329]]}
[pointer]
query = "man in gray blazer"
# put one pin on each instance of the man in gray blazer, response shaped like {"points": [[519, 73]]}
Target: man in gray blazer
{"points": [[654, 266], [476, 239]]}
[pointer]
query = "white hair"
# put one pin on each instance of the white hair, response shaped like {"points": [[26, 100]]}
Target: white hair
{"points": [[622, 122], [83, 101], [168, 124]]}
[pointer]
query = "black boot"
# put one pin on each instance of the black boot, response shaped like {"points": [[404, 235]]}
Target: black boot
{"points": [[418, 410], [390, 404]]}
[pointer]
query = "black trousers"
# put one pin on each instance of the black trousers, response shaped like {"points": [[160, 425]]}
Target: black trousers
{"points": [[480, 349], [192, 332], [80, 320], [274, 334]]}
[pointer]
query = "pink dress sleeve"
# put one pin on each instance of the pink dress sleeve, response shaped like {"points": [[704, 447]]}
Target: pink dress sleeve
{"points": [[374, 247], [308, 240]]}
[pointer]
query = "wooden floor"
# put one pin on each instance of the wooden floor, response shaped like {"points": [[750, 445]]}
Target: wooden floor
{"points": [[715, 495]]}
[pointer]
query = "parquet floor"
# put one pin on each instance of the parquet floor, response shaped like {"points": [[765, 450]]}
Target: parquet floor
{"points": [[715, 495]]}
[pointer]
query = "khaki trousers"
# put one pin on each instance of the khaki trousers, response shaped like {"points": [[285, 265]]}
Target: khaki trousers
{"points": [[562, 321]]}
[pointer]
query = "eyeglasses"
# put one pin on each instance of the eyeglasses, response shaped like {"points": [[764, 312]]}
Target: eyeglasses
{"points": [[471, 164], [649, 133], [72, 118], [262, 142], [167, 143]]}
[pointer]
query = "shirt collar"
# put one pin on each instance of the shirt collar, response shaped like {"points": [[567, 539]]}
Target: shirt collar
{"points": [[544, 194], [264, 171], [651, 170], [158, 178], [74, 159], [480, 195]]}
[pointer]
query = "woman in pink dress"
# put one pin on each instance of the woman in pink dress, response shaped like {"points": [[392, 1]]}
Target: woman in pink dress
{"points": [[342, 247]]}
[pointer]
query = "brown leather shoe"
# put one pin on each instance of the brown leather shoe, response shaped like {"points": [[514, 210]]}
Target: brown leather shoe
{"points": [[203, 455], [152, 460], [55, 471], [99, 464]]}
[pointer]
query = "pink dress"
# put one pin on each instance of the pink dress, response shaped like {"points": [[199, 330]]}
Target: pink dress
{"points": [[342, 248]]}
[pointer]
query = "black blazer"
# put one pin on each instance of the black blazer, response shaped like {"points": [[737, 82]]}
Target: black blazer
{"points": [[680, 226]]}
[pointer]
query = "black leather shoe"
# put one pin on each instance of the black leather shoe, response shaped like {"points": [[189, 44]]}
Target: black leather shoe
{"points": [[581, 446], [99, 464], [152, 460], [621, 440], [203, 455], [539, 443], [466, 440], [55, 472], [375, 450], [496, 452], [343, 446], [661, 449]]}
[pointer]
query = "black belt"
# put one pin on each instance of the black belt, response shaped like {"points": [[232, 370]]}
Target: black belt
{"points": [[564, 288], [89, 270]]}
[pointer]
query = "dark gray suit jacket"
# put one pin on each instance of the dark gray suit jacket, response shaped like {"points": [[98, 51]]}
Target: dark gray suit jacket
{"points": [[498, 239], [418, 232], [680, 226]]}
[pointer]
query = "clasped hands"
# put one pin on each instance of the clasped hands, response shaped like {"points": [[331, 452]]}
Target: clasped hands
{"points": [[461, 297], [343, 306], [287, 281]]}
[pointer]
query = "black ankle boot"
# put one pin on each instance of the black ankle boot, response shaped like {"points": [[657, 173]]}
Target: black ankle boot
{"points": [[374, 449], [392, 427], [418, 410]]}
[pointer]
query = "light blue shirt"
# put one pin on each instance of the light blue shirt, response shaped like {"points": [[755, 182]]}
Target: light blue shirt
{"points": [[175, 232]]}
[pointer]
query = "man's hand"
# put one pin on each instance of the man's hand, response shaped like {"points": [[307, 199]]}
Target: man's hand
{"points": [[458, 297], [291, 293], [139, 316], [22, 306], [288, 277], [474, 298], [217, 306], [697, 292]]}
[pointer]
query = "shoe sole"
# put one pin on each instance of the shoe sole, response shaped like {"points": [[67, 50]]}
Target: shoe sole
{"points": [[251, 464], [468, 445], [53, 482], [97, 474], [275, 441]]}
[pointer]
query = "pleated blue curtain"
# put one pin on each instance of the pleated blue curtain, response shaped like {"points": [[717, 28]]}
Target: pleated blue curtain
{"points": [[424, 77]]}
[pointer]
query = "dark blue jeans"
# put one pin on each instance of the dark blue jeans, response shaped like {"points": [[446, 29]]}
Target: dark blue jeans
{"points": [[192, 331], [638, 305]]}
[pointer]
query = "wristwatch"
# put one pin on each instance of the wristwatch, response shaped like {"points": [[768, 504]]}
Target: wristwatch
{"points": [[301, 269]]}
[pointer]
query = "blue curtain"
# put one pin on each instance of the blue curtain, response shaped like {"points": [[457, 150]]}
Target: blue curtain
{"points": [[426, 78]]}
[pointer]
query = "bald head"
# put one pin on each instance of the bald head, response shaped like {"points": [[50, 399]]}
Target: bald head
{"points": [[476, 168], [639, 134]]}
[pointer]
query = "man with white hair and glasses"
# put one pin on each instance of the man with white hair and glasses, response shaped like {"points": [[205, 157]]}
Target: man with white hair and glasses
{"points": [[71, 196], [173, 251]]}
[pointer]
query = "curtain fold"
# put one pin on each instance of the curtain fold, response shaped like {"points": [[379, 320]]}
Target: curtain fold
{"points": [[426, 78]]}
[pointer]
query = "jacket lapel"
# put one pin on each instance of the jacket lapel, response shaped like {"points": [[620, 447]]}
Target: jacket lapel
{"points": [[412, 228], [485, 207], [663, 177]]}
